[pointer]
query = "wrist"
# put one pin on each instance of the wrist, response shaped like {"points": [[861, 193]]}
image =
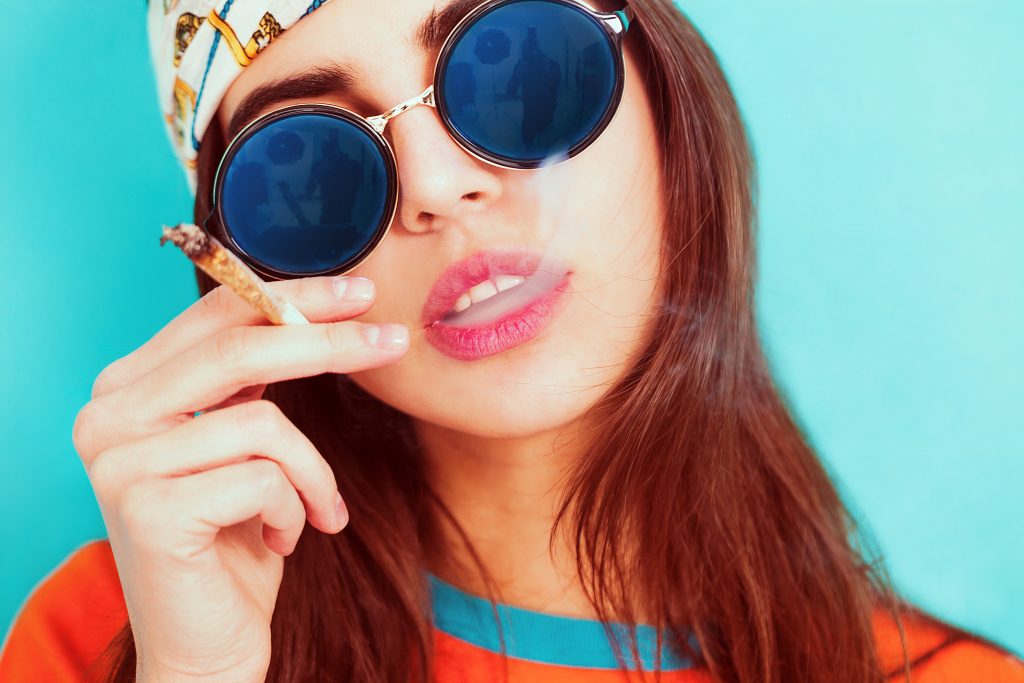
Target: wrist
{"points": [[158, 674]]}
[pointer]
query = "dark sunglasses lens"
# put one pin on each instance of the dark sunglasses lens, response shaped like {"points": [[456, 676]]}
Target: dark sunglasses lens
{"points": [[529, 79], [306, 194]]}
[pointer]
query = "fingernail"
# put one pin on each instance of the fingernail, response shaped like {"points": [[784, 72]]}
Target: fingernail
{"points": [[340, 512], [387, 336], [352, 288]]}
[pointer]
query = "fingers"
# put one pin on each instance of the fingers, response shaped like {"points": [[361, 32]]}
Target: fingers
{"points": [[233, 359], [180, 517], [228, 436], [319, 299], [252, 393], [243, 356]]}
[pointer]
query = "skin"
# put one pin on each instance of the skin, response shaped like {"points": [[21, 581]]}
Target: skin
{"points": [[199, 526], [488, 449]]}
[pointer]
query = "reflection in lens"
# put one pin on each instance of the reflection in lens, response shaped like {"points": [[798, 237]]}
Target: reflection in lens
{"points": [[529, 79], [285, 148], [306, 193]]}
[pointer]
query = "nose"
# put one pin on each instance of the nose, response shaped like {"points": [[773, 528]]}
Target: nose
{"points": [[440, 183]]}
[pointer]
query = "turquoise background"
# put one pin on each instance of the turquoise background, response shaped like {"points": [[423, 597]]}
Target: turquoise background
{"points": [[890, 140]]}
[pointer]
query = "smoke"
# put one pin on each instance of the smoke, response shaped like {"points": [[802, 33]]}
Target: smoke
{"points": [[551, 191]]}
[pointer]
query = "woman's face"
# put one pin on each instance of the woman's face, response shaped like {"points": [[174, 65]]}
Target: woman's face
{"points": [[452, 204]]}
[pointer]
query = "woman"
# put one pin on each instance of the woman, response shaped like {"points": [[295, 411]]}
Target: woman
{"points": [[621, 457]]}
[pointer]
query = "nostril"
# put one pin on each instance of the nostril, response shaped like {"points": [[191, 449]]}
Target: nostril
{"points": [[471, 195]]}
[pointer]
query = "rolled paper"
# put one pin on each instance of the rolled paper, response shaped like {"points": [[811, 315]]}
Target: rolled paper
{"points": [[222, 265]]}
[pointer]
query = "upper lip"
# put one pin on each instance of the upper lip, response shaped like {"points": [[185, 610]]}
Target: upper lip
{"points": [[481, 265]]}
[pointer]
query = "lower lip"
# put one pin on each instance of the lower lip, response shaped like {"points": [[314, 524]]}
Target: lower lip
{"points": [[519, 327]]}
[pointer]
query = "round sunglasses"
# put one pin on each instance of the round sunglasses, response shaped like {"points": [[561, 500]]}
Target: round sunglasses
{"points": [[312, 189]]}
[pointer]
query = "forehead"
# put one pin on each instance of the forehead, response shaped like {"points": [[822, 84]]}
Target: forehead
{"points": [[382, 43]]}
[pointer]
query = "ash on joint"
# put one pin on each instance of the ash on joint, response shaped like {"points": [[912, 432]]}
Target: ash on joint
{"points": [[188, 237]]}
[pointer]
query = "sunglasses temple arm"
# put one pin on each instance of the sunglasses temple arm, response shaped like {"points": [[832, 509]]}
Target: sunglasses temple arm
{"points": [[626, 15], [212, 225]]}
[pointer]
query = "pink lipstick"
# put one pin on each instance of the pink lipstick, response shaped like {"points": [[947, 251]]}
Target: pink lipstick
{"points": [[524, 320]]}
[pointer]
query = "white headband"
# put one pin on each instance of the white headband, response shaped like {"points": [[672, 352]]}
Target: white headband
{"points": [[198, 51]]}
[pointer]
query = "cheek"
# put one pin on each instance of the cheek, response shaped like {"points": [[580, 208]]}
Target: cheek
{"points": [[622, 200], [395, 277]]}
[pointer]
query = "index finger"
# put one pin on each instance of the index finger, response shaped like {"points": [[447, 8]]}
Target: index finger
{"points": [[319, 298]]}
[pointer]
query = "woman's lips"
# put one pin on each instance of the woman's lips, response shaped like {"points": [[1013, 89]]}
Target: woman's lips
{"points": [[523, 323]]}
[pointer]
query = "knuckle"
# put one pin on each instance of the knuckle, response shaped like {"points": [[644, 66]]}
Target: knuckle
{"points": [[265, 423], [212, 304], [84, 432], [303, 288], [267, 477], [231, 347], [341, 335], [261, 419], [109, 379]]}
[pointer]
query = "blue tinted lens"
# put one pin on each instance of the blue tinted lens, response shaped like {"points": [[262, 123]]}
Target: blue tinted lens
{"points": [[306, 193], [529, 79]]}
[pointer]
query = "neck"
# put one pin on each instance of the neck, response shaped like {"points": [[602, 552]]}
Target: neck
{"points": [[504, 493]]}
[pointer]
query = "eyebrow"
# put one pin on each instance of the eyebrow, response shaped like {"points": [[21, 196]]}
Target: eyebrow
{"points": [[334, 78]]}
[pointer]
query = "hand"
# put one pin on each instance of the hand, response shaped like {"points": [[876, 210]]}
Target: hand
{"points": [[200, 511]]}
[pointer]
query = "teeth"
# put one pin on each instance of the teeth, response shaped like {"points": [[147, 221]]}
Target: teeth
{"points": [[503, 282], [462, 304], [486, 289]]}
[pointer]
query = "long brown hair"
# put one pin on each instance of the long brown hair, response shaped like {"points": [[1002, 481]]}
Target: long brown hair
{"points": [[740, 548]]}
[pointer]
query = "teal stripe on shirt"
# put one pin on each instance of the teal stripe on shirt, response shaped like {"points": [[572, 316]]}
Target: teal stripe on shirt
{"points": [[540, 637]]}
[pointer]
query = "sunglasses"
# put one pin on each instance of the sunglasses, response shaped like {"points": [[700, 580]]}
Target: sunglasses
{"points": [[312, 189]]}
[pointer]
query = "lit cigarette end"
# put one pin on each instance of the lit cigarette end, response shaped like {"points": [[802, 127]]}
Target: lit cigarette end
{"points": [[223, 266]]}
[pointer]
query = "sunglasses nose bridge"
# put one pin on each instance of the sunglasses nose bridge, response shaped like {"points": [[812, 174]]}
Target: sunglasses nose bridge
{"points": [[380, 121]]}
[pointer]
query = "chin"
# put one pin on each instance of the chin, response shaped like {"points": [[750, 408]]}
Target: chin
{"points": [[530, 389]]}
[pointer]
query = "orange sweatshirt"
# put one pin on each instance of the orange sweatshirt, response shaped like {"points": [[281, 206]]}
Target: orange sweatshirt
{"points": [[73, 614]]}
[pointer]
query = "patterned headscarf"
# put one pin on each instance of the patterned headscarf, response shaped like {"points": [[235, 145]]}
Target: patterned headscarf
{"points": [[198, 48]]}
